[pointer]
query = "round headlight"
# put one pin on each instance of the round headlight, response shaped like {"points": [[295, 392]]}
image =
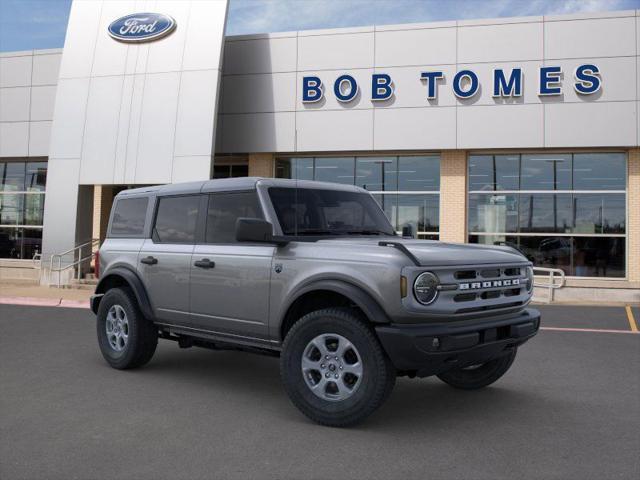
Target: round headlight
{"points": [[425, 288], [529, 279]]}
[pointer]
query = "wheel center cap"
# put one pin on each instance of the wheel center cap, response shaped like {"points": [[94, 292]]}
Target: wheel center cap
{"points": [[332, 367]]}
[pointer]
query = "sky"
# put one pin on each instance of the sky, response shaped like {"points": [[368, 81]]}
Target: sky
{"points": [[34, 24]]}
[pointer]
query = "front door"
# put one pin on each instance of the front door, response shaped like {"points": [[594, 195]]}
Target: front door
{"points": [[230, 280], [165, 259]]}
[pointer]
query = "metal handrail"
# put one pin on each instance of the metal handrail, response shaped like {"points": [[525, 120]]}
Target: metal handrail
{"points": [[551, 276], [78, 248]]}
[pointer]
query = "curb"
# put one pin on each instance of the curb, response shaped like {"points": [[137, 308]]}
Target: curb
{"points": [[44, 302]]}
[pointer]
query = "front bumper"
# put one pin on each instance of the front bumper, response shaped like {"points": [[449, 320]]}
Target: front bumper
{"points": [[431, 349]]}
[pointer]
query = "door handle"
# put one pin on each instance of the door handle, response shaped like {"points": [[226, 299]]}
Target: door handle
{"points": [[149, 260], [204, 263]]}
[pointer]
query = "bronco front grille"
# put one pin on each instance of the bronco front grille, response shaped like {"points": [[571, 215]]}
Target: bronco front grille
{"points": [[482, 288]]}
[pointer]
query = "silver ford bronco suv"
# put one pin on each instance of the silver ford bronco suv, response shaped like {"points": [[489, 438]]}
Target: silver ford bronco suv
{"points": [[313, 273]]}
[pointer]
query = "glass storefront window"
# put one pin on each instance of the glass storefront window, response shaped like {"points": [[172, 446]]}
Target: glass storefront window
{"points": [[545, 172], [421, 212], [493, 213], [377, 174], [599, 171], [22, 187], [596, 213], [494, 172], [419, 174], [13, 177], [543, 212], [335, 169], [11, 209], [36, 176], [396, 180], [580, 230]]}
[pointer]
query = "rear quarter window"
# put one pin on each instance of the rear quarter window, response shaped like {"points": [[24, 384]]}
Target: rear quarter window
{"points": [[128, 217]]}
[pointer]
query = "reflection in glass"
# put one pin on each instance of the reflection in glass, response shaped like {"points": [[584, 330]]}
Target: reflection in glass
{"points": [[13, 177], [599, 213], [419, 174], [599, 171], [336, 170], [389, 204], [36, 176], [421, 212], [493, 213], [546, 172], [12, 209], [599, 256], [494, 172], [377, 173], [540, 212], [33, 209]]}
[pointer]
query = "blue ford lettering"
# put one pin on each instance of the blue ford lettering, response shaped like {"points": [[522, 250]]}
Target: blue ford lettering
{"points": [[465, 84], [141, 27]]}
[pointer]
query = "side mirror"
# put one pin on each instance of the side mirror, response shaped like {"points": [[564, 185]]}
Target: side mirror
{"points": [[253, 230], [256, 230]]}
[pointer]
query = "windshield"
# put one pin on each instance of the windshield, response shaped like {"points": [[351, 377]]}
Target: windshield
{"points": [[328, 212]]}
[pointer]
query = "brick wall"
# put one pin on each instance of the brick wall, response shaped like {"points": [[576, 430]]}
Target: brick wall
{"points": [[261, 164], [453, 196]]}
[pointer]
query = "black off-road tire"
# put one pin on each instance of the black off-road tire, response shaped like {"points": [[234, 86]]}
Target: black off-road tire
{"points": [[481, 376], [142, 333], [378, 377]]}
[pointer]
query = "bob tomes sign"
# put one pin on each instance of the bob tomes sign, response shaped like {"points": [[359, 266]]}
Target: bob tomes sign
{"points": [[141, 27], [465, 84]]}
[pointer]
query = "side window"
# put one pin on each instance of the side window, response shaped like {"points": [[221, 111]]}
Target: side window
{"points": [[176, 219], [224, 210], [128, 217]]}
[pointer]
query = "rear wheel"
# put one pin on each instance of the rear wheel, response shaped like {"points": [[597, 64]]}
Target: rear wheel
{"points": [[126, 338], [334, 369], [481, 375]]}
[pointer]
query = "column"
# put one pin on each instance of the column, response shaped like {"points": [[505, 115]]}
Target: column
{"points": [[261, 164], [453, 196]]}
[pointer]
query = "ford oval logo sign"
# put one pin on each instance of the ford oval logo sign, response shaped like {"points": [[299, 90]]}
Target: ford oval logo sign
{"points": [[141, 27]]}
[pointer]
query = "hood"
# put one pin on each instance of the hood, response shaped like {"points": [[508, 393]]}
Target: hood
{"points": [[435, 253]]}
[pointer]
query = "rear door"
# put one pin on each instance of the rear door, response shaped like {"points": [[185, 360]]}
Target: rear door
{"points": [[230, 280], [165, 259]]}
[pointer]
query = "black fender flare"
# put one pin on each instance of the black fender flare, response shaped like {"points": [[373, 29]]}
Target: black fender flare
{"points": [[133, 281], [369, 306]]}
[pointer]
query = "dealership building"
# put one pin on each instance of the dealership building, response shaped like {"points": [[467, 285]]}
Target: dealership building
{"points": [[519, 131]]}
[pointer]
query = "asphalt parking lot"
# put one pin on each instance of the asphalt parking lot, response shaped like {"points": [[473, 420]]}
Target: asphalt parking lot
{"points": [[568, 409]]}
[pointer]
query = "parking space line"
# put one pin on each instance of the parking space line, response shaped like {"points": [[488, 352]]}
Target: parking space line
{"points": [[589, 330], [632, 321]]}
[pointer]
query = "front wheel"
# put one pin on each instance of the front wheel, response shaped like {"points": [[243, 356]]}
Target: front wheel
{"points": [[481, 375], [334, 369]]}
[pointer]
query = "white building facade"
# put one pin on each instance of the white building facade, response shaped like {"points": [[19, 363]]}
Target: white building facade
{"points": [[521, 131]]}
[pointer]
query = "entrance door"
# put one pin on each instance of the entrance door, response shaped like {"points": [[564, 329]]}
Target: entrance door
{"points": [[230, 280], [165, 259]]}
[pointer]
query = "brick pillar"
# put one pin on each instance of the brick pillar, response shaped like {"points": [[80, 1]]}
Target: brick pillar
{"points": [[102, 201], [633, 226], [261, 164], [453, 196]]}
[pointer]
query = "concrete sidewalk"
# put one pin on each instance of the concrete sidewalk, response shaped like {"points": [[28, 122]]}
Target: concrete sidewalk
{"points": [[17, 293]]}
